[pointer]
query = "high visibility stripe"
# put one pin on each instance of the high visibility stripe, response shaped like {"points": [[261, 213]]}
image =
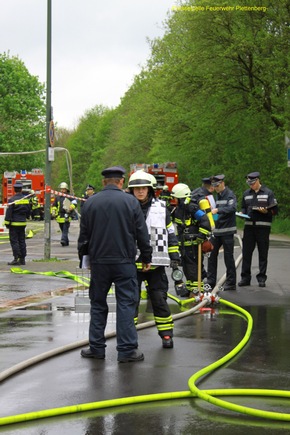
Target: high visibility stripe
{"points": [[224, 230], [261, 223], [15, 224], [164, 323]]}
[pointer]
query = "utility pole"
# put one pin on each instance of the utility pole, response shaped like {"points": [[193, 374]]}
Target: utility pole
{"points": [[49, 141]]}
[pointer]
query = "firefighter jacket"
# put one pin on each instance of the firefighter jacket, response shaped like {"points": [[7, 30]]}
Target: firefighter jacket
{"points": [[17, 213], [226, 203], [62, 209], [192, 224], [263, 198], [161, 231], [111, 224]]}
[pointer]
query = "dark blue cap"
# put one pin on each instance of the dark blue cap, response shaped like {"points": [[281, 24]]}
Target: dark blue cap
{"points": [[18, 185], [114, 172], [207, 180], [253, 175], [217, 179], [89, 186]]}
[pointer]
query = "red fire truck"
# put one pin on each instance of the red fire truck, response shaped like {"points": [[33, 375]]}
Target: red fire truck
{"points": [[165, 174], [33, 180]]}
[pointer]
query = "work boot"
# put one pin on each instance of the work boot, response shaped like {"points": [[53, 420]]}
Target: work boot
{"points": [[87, 353], [135, 356], [167, 342], [22, 261], [244, 283], [15, 262]]}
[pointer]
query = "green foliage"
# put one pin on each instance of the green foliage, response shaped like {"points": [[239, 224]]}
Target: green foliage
{"points": [[214, 97], [22, 115], [86, 146]]}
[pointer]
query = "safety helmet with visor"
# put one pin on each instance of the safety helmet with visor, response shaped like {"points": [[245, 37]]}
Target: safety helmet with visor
{"points": [[180, 190], [140, 179], [63, 186]]}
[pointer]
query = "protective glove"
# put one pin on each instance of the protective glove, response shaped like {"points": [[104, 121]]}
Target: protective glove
{"points": [[200, 238]]}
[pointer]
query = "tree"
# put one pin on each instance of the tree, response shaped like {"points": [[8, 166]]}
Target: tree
{"points": [[22, 115], [86, 145]]}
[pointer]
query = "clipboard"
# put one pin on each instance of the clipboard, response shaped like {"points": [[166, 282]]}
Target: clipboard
{"points": [[242, 215]]}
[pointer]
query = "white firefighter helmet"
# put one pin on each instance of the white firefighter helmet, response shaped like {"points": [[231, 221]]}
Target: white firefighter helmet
{"points": [[165, 187], [63, 186], [180, 190], [154, 181], [140, 179]]}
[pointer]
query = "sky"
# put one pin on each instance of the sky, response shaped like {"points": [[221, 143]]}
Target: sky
{"points": [[97, 47]]}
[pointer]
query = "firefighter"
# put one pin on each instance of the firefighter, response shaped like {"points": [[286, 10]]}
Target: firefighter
{"points": [[62, 210], [165, 195], [165, 253], [37, 213], [15, 220], [193, 228]]}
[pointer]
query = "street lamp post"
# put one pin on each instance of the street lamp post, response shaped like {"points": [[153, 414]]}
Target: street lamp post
{"points": [[49, 149]]}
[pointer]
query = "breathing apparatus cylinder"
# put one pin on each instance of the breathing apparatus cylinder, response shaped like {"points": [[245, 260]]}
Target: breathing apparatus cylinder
{"points": [[205, 206]]}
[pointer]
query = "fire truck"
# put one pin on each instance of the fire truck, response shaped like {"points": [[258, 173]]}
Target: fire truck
{"points": [[33, 180], [165, 174]]}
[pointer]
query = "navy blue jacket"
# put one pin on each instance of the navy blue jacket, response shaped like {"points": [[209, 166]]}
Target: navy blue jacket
{"points": [[226, 203], [17, 213], [112, 222]]}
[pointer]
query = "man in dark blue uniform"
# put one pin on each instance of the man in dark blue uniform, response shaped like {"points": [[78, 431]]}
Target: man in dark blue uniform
{"points": [[260, 204], [111, 224], [90, 190], [17, 213], [225, 228]]}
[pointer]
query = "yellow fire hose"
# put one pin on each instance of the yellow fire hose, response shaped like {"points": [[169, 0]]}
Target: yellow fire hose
{"points": [[210, 396]]}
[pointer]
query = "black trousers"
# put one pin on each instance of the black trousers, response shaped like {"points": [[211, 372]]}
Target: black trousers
{"points": [[255, 236], [17, 241], [157, 287], [228, 244]]}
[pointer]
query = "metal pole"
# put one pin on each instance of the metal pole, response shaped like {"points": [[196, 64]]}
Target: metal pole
{"points": [[47, 220]]}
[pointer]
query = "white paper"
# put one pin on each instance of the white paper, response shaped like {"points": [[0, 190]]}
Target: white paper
{"points": [[86, 264]]}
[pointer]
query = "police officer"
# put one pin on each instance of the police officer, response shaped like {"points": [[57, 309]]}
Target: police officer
{"points": [[18, 211], [193, 228], [225, 228], [111, 223], [62, 209], [90, 190], [260, 204], [165, 252], [204, 191]]}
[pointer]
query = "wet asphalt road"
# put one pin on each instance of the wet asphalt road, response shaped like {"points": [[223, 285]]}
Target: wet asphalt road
{"points": [[38, 313]]}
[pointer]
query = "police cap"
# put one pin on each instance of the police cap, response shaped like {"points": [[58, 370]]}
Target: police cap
{"points": [[18, 185], [207, 180], [217, 179], [114, 172], [90, 187], [252, 177]]}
